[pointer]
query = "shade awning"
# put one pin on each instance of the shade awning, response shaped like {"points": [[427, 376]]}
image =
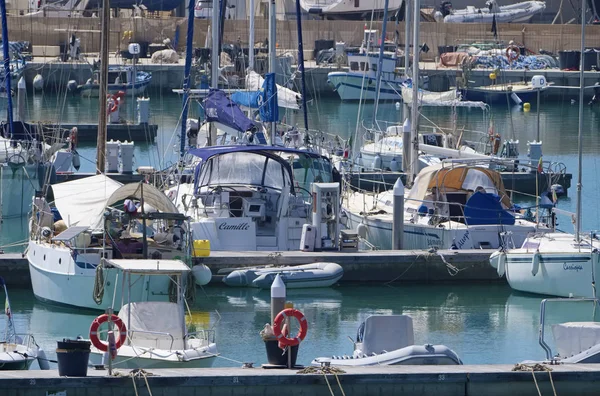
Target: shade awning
{"points": [[150, 266]]}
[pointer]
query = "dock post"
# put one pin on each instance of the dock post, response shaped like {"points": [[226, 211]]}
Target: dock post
{"points": [[406, 151], [21, 99], [398, 221], [278, 295]]}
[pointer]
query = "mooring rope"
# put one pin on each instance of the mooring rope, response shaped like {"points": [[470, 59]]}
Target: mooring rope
{"points": [[533, 368], [325, 370]]}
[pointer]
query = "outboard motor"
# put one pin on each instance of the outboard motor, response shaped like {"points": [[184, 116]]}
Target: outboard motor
{"points": [[446, 8]]}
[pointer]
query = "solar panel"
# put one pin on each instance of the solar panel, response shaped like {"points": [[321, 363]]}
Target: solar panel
{"points": [[70, 233]]}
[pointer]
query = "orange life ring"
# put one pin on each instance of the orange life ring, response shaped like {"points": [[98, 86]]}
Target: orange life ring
{"points": [[97, 342], [73, 136], [278, 327], [512, 53]]}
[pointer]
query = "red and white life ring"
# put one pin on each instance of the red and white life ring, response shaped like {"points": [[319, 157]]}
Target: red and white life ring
{"points": [[97, 342], [285, 340], [512, 53]]}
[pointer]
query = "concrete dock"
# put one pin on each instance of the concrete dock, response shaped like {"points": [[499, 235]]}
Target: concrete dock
{"points": [[490, 380], [414, 266]]}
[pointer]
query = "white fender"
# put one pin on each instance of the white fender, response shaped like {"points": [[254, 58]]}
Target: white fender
{"points": [[361, 230], [535, 263], [498, 261], [202, 274], [42, 360]]}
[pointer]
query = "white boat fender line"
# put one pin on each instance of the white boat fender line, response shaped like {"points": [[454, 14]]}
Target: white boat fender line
{"points": [[535, 263], [43, 361]]}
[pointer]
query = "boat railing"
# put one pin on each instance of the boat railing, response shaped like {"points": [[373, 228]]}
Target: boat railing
{"points": [[545, 301], [204, 335], [156, 333]]}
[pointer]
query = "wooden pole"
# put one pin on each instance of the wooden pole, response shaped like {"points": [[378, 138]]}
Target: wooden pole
{"points": [[104, 42]]}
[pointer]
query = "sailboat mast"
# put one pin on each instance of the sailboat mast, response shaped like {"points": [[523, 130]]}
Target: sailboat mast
{"points": [[414, 158], [7, 76], [189, 43], [214, 65], [580, 132], [102, 116], [251, 38], [380, 60], [272, 54], [301, 62]]}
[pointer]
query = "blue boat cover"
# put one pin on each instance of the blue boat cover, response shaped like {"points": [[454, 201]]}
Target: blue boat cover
{"points": [[250, 99], [270, 111], [219, 108], [484, 208]]}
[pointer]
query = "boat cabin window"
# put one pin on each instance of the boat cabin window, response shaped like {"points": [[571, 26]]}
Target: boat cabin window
{"points": [[354, 66], [117, 77], [374, 67], [244, 169], [364, 66], [356, 3], [309, 170]]}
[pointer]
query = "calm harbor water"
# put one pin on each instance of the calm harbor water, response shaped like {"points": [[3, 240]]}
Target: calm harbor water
{"points": [[483, 323]]}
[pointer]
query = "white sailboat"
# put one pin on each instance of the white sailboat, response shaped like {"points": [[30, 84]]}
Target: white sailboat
{"points": [[344, 9], [563, 265]]}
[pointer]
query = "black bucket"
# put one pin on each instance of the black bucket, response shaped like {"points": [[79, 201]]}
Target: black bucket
{"points": [[276, 356], [73, 357], [590, 59], [569, 60]]}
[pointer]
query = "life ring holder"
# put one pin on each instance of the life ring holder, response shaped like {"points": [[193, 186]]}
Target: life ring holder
{"points": [[97, 342], [512, 53], [278, 327]]}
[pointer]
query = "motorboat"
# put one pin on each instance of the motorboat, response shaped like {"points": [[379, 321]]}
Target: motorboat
{"points": [[18, 351], [514, 92], [469, 209], [341, 9], [154, 334], [250, 197], [518, 12], [120, 78], [575, 342], [94, 219], [294, 277], [389, 340], [360, 81]]}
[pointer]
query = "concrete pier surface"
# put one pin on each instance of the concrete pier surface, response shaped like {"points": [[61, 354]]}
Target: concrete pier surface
{"points": [[415, 266], [489, 380]]}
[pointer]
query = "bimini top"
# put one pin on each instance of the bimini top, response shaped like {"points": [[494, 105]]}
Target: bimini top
{"points": [[205, 153]]}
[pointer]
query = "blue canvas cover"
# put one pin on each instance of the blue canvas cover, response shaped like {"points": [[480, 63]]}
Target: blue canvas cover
{"points": [[269, 112], [484, 208], [250, 99], [219, 108]]}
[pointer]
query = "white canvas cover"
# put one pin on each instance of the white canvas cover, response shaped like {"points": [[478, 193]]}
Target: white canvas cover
{"points": [[285, 97], [154, 316], [387, 332], [572, 338], [150, 266], [82, 202]]}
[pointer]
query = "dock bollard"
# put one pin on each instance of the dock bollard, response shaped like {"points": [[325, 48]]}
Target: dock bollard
{"points": [[398, 220]]}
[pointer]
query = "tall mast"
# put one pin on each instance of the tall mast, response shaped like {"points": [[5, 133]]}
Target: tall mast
{"points": [[102, 116], [301, 61], [272, 54], [7, 76], [380, 60], [579, 135], [414, 138], [251, 38], [214, 64], [186, 75]]}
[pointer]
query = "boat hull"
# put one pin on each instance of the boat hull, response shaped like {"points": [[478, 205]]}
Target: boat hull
{"points": [[497, 96], [350, 86], [15, 362], [88, 90], [568, 274], [147, 358]]}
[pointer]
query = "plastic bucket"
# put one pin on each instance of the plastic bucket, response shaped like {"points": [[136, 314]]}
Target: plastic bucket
{"points": [[73, 357], [276, 356], [590, 59]]}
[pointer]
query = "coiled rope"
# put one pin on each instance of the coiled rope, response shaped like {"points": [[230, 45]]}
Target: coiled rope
{"points": [[98, 293], [325, 370], [533, 368]]}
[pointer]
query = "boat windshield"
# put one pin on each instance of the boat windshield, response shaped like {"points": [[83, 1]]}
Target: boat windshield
{"points": [[310, 169], [247, 169]]}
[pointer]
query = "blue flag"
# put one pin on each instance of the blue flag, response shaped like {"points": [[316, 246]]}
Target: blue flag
{"points": [[269, 111]]}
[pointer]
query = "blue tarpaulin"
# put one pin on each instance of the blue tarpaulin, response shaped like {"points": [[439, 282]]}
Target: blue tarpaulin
{"points": [[250, 99], [269, 112], [483, 208], [219, 108]]}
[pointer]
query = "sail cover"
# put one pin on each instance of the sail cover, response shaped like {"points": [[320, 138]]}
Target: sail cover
{"points": [[269, 111], [219, 108]]}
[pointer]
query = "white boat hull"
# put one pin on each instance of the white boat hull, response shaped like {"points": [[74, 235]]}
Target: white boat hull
{"points": [[57, 278], [568, 274], [343, 9], [410, 355], [149, 358], [296, 277], [350, 86]]}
